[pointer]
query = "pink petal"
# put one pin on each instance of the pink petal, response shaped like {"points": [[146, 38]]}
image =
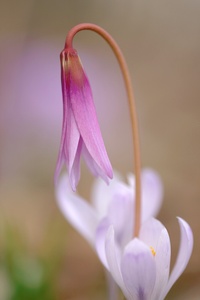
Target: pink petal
{"points": [[85, 115], [62, 155], [185, 251], [71, 144], [73, 147], [155, 235], [76, 210], [80, 126], [138, 270], [93, 166]]}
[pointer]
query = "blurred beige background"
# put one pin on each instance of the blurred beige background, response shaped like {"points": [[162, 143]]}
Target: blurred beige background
{"points": [[160, 40]]}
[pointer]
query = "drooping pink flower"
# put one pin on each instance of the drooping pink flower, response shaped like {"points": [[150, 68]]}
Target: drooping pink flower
{"points": [[80, 130]]}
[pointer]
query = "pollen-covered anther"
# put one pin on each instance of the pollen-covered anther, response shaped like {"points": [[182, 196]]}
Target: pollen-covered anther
{"points": [[152, 250]]}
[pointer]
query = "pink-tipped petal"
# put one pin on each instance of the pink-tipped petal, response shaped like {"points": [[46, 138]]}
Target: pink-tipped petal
{"points": [[185, 251], [86, 119], [61, 156], [138, 270], [155, 235], [80, 126], [76, 210], [93, 166]]}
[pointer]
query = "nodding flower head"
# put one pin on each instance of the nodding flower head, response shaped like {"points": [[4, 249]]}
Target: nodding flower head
{"points": [[80, 130]]}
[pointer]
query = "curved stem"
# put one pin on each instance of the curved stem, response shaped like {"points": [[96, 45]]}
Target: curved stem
{"points": [[133, 115]]}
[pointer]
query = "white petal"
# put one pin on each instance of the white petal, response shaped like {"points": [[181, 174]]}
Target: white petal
{"points": [[100, 240], [120, 214], [138, 270], [76, 210], [155, 235], [102, 194], [152, 194], [113, 259], [113, 289], [185, 251]]}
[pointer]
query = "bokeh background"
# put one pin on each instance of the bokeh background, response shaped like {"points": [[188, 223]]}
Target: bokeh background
{"points": [[41, 256]]}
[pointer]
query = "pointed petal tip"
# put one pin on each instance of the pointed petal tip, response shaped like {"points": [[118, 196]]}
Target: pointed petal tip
{"points": [[110, 173], [184, 226], [73, 184], [184, 254]]}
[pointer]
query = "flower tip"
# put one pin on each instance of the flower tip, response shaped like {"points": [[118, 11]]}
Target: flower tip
{"points": [[107, 177], [187, 230], [73, 187], [110, 174], [73, 180]]}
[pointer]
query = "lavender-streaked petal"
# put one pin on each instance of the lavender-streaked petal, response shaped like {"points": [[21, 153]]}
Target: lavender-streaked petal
{"points": [[185, 251], [155, 235], [120, 214], [86, 119], [76, 210], [138, 270], [113, 289], [113, 255]]}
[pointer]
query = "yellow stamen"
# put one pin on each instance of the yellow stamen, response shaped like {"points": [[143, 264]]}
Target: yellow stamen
{"points": [[152, 250]]}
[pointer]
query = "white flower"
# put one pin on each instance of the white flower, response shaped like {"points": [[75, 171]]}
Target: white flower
{"points": [[141, 268], [114, 202]]}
